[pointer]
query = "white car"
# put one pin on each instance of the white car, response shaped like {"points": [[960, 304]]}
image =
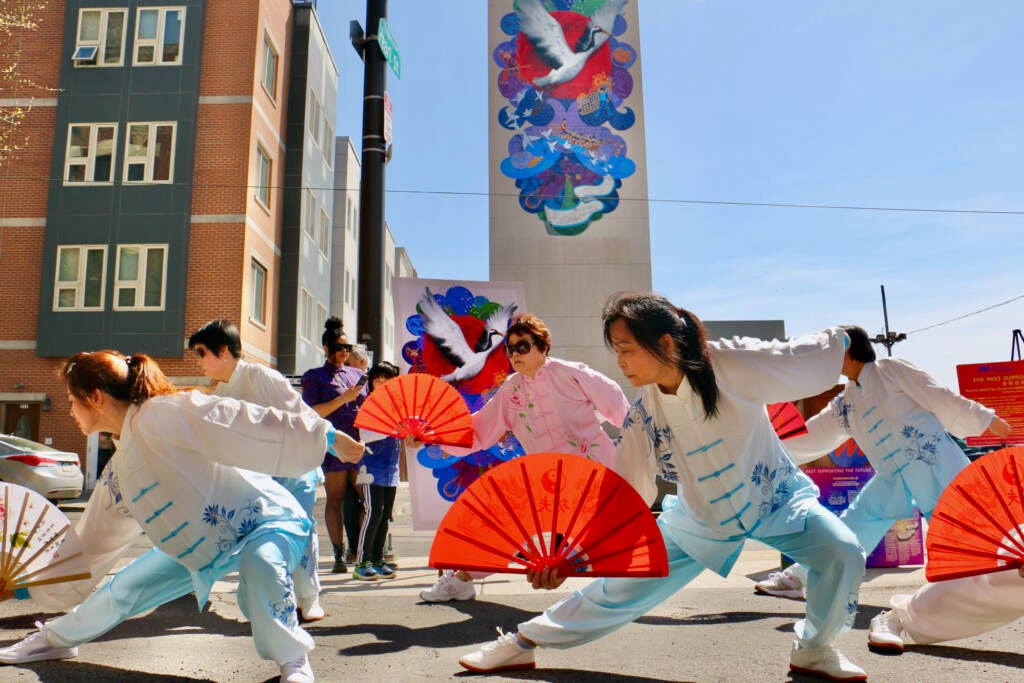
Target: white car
{"points": [[55, 474]]}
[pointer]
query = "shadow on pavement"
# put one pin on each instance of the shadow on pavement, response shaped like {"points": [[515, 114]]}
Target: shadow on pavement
{"points": [[66, 672], [541, 674], [706, 619], [966, 654]]}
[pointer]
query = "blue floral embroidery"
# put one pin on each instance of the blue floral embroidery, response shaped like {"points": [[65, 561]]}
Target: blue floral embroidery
{"points": [[774, 485], [284, 609], [920, 446], [224, 520], [660, 437], [841, 411]]}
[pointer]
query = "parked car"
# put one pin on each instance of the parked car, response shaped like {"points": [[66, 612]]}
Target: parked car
{"points": [[55, 474]]}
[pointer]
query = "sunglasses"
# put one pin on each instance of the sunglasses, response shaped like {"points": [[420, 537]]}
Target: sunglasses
{"points": [[347, 348], [522, 347]]}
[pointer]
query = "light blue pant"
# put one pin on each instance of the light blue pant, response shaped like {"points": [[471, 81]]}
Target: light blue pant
{"points": [[305, 576], [264, 596], [825, 545]]}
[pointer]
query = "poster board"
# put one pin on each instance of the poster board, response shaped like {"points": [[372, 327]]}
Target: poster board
{"points": [[999, 386]]}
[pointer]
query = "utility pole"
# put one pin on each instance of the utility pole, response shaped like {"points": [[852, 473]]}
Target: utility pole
{"points": [[890, 338], [371, 183]]}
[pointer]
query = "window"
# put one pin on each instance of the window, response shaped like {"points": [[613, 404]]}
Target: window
{"points": [[90, 156], [269, 67], [263, 169], [158, 34], [100, 39], [258, 309], [141, 277], [348, 289], [78, 283], [306, 318], [328, 144], [314, 118], [325, 232], [149, 153], [309, 222], [321, 316]]}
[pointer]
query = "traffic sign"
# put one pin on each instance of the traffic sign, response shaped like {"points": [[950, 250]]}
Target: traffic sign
{"points": [[388, 47]]}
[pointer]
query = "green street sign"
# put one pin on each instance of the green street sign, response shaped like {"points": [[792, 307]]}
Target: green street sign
{"points": [[388, 47]]}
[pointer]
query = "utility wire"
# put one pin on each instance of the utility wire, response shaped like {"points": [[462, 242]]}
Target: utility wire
{"points": [[968, 315], [651, 200]]}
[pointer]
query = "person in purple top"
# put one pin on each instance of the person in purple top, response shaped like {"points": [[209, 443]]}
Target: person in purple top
{"points": [[335, 391]]}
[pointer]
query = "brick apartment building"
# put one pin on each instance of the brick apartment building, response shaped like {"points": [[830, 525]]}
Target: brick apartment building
{"points": [[177, 167]]}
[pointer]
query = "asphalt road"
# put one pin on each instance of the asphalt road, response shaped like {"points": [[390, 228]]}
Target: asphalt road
{"points": [[713, 630]]}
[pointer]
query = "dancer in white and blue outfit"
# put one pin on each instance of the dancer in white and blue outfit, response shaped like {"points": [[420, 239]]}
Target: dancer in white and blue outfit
{"points": [[177, 477], [899, 417], [700, 421]]}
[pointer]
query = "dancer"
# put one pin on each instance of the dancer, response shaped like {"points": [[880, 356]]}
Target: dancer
{"points": [[378, 485], [899, 417], [701, 421], [335, 391], [949, 610], [177, 477], [219, 346], [549, 405]]}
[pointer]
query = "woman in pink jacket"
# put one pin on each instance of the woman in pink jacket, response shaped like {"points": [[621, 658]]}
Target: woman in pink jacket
{"points": [[549, 405]]}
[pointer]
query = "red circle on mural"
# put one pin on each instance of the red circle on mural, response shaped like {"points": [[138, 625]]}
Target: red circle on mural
{"points": [[599, 65]]}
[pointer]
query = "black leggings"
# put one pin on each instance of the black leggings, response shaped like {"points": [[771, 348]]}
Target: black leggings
{"points": [[378, 502]]}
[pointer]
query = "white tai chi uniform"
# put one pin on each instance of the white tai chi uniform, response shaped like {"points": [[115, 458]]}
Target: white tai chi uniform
{"points": [[735, 481], [899, 417], [961, 608], [177, 477]]}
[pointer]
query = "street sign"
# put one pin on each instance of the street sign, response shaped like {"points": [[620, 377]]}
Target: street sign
{"points": [[388, 47], [387, 119]]}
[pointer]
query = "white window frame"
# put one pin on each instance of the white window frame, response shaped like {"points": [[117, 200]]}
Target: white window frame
{"points": [[306, 307], [263, 185], [328, 144], [309, 219], [78, 284], [157, 43], [149, 160], [90, 160], [270, 50], [139, 283], [324, 235], [258, 270], [321, 316], [314, 118], [99, 58]]}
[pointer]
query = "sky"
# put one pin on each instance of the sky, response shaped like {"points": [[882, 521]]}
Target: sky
{"points": [[909, 105]]}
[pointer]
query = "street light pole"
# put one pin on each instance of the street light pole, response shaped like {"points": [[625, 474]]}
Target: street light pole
{"points": [[890, 338], [371, 187]]}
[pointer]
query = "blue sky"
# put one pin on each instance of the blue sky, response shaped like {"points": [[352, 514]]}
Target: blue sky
{"points": [[914, 104]]}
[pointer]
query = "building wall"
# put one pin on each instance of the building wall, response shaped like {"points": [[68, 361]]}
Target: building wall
{"points": [[345, 243], [568, 189]]}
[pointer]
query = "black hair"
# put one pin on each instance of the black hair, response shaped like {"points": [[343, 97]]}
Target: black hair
{"points": [[332, 330], [860, 344], [383, 369], [649, 317], [217, 334]]}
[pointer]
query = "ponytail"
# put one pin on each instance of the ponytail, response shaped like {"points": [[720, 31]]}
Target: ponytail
{"points": [[133, 378]]}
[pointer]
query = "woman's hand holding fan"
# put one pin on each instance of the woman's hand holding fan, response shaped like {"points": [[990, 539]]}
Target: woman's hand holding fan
{"points": [[419, 406]]}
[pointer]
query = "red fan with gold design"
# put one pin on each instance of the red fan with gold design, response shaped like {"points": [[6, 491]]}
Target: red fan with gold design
{"points": [[978, 524], [551, 510], [39, 546], [786, 420], [418, 405]]}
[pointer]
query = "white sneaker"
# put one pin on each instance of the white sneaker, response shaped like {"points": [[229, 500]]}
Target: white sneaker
{"points": [[783, 585], [309, 609], [35, 648], [826, 662], [449, 587], [886, 632], [502, 654], [297, 671]]}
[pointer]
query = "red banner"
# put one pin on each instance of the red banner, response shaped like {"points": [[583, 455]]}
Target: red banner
{"points": [[999, 386]]}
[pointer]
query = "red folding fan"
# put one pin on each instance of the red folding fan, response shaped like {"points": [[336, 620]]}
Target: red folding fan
{"points": [[977, 526], [550, 510], [786, 420], [418, 405]]}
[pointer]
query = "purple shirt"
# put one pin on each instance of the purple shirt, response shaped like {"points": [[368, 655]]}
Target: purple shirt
{"points": [[320, 385]]}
